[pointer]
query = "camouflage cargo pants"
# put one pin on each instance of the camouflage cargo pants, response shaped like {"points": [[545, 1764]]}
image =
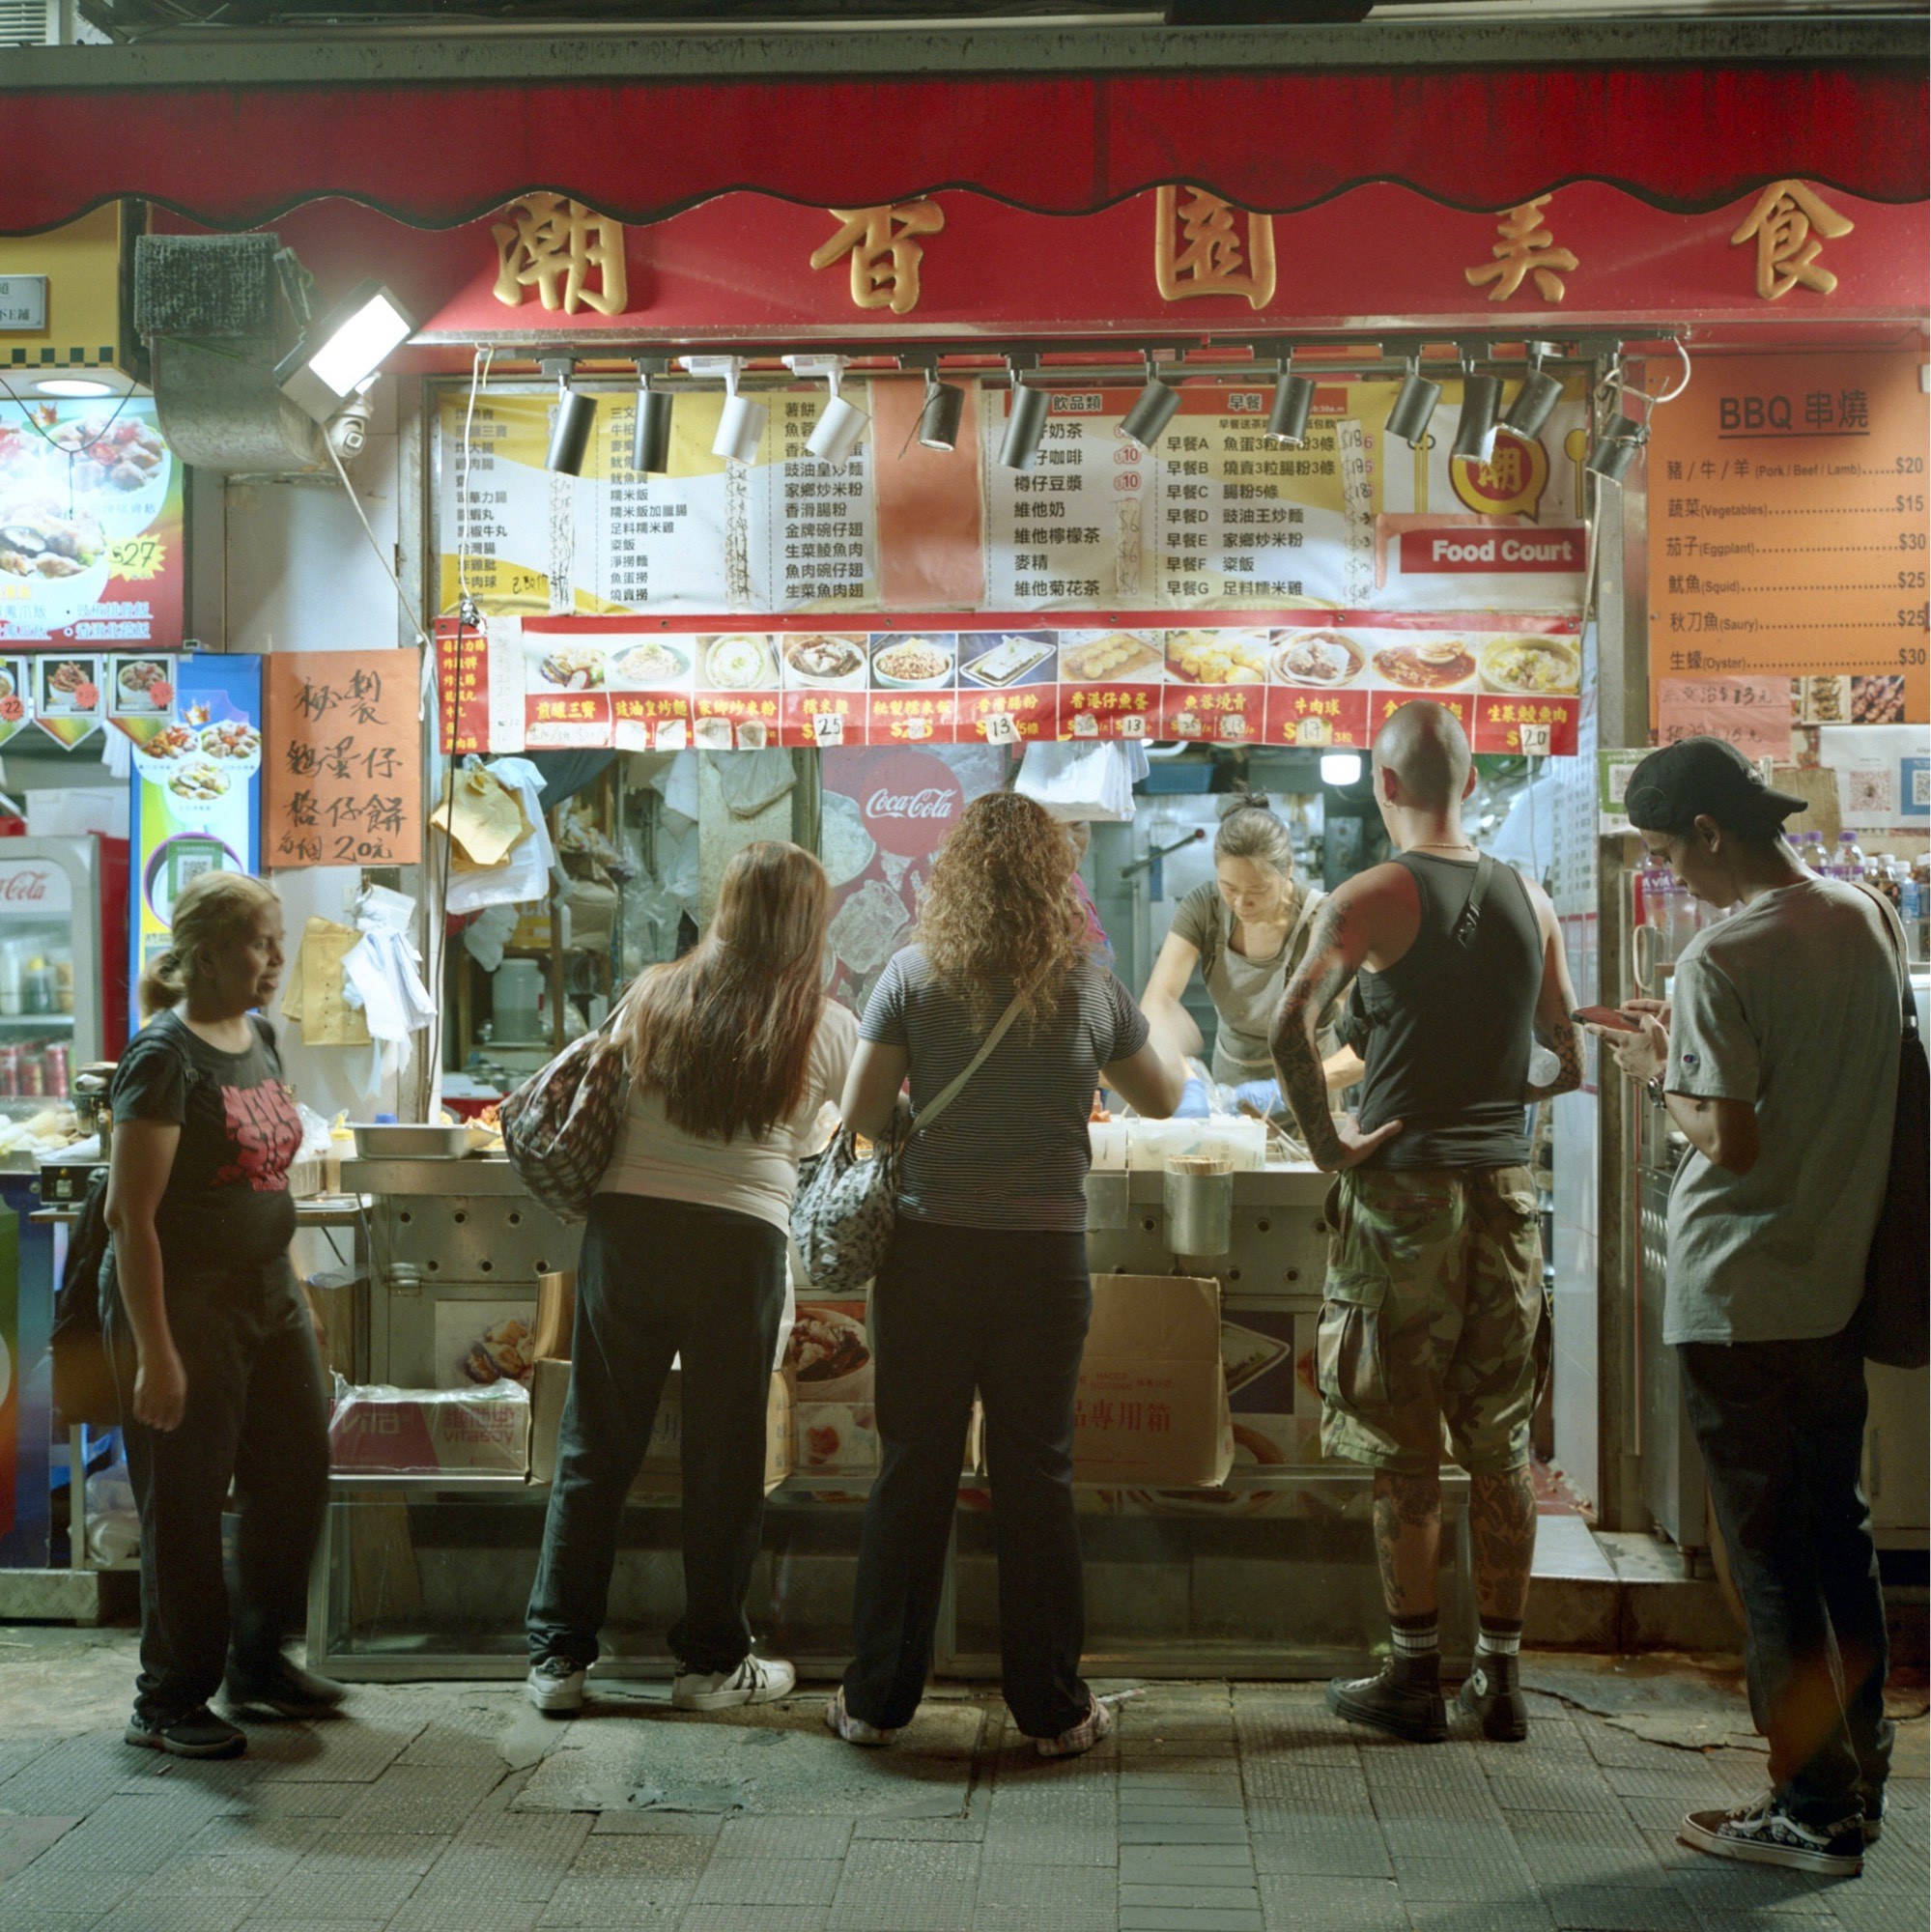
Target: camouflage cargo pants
{"points": [[1434, 1337]]}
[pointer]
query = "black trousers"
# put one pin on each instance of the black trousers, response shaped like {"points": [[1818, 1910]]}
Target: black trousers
{"points": [[1782, 1428], [955, 1309], [658, 1279], [257, 1417]]}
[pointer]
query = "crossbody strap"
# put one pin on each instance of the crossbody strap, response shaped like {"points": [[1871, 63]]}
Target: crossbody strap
{"points": [[951, 1092], [1478, 891]]}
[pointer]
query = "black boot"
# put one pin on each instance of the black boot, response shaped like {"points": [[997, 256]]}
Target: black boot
{"points": [[1494, 1692], [1404, 1699]]}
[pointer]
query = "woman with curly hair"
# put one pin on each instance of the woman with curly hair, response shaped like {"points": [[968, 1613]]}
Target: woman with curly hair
{"points": [[984, 1285]]}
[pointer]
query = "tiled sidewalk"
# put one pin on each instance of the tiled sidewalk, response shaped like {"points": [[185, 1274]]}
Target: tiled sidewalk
{"points": [[1215, 1807]]}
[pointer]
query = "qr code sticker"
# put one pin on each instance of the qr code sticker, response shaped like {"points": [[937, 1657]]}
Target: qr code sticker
{"points": [[1918, 786], [1871, 790]]}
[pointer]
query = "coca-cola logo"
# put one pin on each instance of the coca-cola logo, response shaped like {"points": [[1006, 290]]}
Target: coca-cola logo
{"points": [[25, 886], [934, 802], [909, 799]]}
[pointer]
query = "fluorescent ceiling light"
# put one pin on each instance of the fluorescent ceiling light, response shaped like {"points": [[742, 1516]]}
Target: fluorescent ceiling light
{"points": [[1340, 768], [73, 386]]}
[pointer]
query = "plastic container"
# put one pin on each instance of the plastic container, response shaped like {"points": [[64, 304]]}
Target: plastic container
{"points": [[1199, 1194], [1152, 1144], [516, 1004]]}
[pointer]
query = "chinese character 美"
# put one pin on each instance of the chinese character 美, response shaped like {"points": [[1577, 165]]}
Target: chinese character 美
{"points": [[1526, 249], [554, 246], [885, 256], [1787, 251], [1200, 250]]}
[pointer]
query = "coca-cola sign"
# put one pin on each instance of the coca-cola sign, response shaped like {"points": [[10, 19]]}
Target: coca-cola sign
{"points": [[28, 886], [909, 799]]}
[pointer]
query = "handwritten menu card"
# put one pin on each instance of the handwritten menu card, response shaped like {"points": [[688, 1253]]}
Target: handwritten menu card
{"points": [[341, 760]]}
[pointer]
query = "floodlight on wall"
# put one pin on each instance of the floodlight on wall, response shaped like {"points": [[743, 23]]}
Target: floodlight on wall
{"points": [[1340, 768], [1616, 447], [940, 414], [337, 357], [1152, 412], [1536, 399], [741, 426], [1024, 427], [650, 433], [1481, 410], [1414, 404], [1292, 405], [841, 428], [571, 426]]}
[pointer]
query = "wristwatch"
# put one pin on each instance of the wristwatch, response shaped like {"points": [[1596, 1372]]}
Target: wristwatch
{"points": [[1653, 1085]]}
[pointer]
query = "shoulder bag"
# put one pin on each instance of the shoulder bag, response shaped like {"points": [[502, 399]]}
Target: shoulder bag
{"points": [[1892, 1325], [560, 1126], [842, 1215]]}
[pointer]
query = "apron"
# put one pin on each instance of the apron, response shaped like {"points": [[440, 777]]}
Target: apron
{"points": [[1247, 994]]}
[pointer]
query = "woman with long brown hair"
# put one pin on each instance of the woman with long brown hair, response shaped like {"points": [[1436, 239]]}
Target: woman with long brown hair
{"points": [[732, 1050], [984, 1285]]}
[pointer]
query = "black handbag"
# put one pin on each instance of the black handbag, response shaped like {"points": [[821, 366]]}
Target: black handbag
{"points": [[1892, 1325]]}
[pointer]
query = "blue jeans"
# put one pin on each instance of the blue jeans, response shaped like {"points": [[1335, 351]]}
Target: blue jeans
{"points": [[658, 1279], [1782, 1428]]}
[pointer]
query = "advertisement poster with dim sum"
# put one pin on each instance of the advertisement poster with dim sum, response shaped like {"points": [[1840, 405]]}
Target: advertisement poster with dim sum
{"points": [[196, 785], [91, 526]]}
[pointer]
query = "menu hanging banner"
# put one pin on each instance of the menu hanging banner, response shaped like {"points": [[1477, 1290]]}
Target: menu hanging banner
{"points": [[1306, 678], [344, 779], [1788, 532]]}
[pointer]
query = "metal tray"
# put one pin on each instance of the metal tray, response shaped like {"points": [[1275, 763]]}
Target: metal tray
{"points": [[412, 1139]]}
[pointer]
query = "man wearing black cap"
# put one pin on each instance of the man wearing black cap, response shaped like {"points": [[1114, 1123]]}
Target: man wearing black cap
{"points": [[1778, 1059]]}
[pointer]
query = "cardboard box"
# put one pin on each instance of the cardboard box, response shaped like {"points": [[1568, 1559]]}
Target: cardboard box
{"points": [[840, 1438], [556, 1316], [1152, 1409], [660, 1474], [427, 1432]]}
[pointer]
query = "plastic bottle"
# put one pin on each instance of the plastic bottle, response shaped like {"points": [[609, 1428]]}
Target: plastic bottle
{"points": [[1811, 851], [1850, 858], [1915, 905]]}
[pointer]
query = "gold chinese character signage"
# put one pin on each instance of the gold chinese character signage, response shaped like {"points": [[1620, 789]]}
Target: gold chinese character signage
{"points": [[1204, 246], [885, 251], [1787, 224], [1524, 249], [569, 254]]}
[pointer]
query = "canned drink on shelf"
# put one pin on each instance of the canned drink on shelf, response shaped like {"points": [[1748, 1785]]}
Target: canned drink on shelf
{"points": [[10, 1072], [31, 1080], [56, 1063]]}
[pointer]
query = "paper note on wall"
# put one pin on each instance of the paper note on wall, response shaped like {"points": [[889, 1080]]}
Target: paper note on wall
{"points": [[1752, 713]]}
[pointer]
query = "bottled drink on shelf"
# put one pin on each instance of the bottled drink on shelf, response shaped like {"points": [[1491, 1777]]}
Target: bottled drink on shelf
{"points": [[1850, 856]]}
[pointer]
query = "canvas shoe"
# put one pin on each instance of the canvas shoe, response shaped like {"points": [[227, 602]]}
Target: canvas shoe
{"points": [[1405, 1703], [1873, 1800], [281, 1687], [555, 1686], [757, 1680], [854, 1730], [1767, 1833], [1096, 1724], [1493, 1691], [198, 1734]]}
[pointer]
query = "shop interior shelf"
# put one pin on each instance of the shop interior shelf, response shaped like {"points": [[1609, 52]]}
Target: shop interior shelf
{"points": [[35, 1021]]}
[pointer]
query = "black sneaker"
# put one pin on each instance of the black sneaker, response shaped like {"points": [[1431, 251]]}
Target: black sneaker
{"points": [[1402, 1700], [1494, 1692], [199, 1734], [281, 1687], [1767, 1833]]}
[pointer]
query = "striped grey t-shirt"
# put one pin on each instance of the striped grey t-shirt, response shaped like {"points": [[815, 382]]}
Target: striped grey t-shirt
{"points": [[1012, 1151]]}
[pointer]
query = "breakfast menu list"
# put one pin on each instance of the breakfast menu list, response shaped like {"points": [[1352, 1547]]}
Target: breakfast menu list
{"points": [[1787, 529]]}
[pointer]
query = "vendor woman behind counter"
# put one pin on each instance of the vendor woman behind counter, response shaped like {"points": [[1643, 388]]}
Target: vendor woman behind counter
{"points": [[1247, 932]]}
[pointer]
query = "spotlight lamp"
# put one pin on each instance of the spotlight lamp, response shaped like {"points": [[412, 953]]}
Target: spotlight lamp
{"points": [[1025, 426], [841, 428], [1292, 405], [1481, 410], [940, 415], [741, 425], [1536, 399], [1414, 404], [570, 428], [336, 358], [1616, 448], [651, 436], [1152, 412]]}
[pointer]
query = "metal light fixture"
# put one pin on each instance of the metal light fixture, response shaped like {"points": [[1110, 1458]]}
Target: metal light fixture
{"points": [[1292, 405], [1480, 410], [940, 415], [1616, 448], [741, 426], [337, 357], [570, 429], [650, 433], [1536, 399], [839, 430], [1414, 404], [1024, 427], [1152, 412]]}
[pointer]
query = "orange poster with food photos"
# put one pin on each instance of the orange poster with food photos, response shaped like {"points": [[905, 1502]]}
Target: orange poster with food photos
{"points": [[1788, 530]]}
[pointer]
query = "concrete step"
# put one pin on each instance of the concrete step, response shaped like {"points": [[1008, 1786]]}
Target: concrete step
{"points": [[1619, 1591]]}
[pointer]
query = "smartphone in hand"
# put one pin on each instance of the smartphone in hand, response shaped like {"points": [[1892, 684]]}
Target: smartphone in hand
{"points": [[1607, 1017]]}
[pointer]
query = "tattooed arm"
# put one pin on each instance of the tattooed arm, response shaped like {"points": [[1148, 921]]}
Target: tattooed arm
{"points": [[1340, 943], [1554, 1003]]}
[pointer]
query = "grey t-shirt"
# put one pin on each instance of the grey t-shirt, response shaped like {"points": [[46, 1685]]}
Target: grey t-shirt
{"points": [[1791, 1003], [1011, 1150], [1246, 993]]}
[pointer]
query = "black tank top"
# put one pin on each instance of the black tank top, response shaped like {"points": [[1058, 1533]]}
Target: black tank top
{"points": [[1448, 1026]]}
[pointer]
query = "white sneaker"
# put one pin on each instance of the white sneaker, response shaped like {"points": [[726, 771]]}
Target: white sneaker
{"points": [[556, 1685], [854, 1730], [757, 1680]]}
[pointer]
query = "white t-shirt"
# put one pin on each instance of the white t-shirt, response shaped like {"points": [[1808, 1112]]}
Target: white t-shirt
{"points": [[1792, 1003], [752, 1175]]}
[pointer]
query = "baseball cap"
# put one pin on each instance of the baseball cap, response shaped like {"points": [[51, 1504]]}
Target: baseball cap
{"points": [[1694, 775]]}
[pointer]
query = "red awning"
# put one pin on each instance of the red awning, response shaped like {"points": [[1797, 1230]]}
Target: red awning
{"points": [[1684, 138]]}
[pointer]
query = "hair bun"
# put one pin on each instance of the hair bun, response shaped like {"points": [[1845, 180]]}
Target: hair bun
{"points": [[1245, 801]]}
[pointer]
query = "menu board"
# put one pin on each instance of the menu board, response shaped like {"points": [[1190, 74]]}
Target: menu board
{"points": [[1305, 678], [1787, 534], [1211, 518], [344, 782], [91, 526]]}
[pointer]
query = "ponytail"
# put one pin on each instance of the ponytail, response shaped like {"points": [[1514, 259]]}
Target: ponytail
{"points": [[163, 984]]}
